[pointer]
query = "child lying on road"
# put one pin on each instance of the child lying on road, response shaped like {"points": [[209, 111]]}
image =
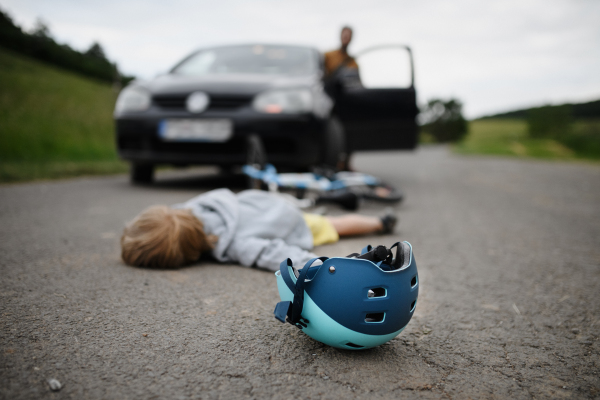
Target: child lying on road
{"points": [[253, 228]]}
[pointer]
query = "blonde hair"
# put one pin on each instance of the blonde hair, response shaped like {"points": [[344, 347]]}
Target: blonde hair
{"points": [[163, 237]]}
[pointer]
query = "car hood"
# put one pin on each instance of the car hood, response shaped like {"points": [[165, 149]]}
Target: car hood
{"points": [[223, 84]]}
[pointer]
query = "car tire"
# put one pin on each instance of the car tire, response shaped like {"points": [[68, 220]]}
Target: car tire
{"points": [[334, 143], [142, 174]]}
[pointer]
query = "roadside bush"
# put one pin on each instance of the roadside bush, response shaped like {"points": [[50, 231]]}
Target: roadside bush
{"points": [[557, 123], [550, 122], [584, 138], [443, 120]]}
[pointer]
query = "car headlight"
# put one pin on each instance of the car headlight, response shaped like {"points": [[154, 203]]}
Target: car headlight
{"points": [[133, 98], [295, 101]]}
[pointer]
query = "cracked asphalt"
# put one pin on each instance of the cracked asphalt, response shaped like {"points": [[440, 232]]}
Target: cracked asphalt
{"points": [[509, 307]]}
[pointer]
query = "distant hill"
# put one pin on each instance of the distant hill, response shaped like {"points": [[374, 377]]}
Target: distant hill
{"points": [[578, 110], [40, 45]]}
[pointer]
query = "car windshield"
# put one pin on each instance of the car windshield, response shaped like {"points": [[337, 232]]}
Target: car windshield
{"points": [[256, 59]]}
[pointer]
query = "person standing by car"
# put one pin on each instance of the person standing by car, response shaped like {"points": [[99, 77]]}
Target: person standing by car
{"points": [[340, 58], [341, 71]]}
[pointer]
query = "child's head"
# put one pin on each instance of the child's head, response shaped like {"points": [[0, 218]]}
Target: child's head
{"points": [[163, 237]]}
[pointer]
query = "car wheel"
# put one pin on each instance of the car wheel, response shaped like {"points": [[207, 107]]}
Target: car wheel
{"points": [[142, 173], [334, 152]]}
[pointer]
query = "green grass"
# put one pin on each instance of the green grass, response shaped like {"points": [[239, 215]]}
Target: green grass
{"points": [[585, 138], [509, 137], [53, 123], [27, 171]]}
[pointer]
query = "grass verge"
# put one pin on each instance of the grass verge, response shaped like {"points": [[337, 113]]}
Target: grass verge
{"points": [[28, 171], [53, 123], [507, 137]]}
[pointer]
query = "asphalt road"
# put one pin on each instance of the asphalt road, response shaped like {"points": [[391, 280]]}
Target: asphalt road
{"points": [[509, 307]]}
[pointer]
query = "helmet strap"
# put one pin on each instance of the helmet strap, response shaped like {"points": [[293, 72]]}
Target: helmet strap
{"points": [[291, 311], [376, 254], [398, 261]]}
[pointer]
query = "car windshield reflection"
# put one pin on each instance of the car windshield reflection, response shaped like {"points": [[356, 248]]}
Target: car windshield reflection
{"points": [[255, 59]]}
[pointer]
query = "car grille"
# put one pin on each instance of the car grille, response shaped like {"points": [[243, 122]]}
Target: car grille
{"points": [[177, 102], [170, 102]]}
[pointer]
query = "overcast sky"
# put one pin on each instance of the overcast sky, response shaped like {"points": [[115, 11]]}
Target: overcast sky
{"points": [[492, 55]]}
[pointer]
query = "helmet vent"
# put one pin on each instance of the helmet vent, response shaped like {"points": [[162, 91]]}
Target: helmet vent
{"points": [[377, 292], [375, 317], [412, 305], [354, 346], [413, 282]]}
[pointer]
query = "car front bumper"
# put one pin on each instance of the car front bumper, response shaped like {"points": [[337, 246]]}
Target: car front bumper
{"points": [[289, 140]]}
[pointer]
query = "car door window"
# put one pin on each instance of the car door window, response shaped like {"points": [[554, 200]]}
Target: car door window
{"points": [[385, 68]]}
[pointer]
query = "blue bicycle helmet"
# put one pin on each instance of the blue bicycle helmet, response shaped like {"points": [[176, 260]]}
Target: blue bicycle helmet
{"points": [[355, 302]]}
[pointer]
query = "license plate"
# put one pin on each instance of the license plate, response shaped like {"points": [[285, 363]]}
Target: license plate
{"points": [[194, 130]]}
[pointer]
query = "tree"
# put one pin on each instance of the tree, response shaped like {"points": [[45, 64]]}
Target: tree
{"points": [[40, 45], [41, 30], [443, 120], [96, 51]]}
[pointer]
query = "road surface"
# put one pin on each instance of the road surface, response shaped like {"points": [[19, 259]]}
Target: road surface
{"points": [[509, 307]]}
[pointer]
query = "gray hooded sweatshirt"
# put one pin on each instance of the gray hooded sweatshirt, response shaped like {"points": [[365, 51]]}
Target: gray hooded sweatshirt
{"points": [[254, 228]]}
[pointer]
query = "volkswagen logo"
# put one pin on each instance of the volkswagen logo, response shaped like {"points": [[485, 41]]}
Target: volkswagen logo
{"points": [[197, 102]]}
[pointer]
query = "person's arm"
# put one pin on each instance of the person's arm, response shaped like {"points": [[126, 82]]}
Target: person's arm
{"points": [[266, 253]]}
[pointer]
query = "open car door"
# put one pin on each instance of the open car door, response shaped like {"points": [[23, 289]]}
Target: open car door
{"points": [[377, 103]]}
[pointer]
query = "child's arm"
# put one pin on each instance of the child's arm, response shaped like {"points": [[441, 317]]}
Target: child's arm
{"points": [[267, 253]]}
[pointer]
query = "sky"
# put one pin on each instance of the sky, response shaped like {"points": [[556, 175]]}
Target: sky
{"points": [[494, 56]]}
